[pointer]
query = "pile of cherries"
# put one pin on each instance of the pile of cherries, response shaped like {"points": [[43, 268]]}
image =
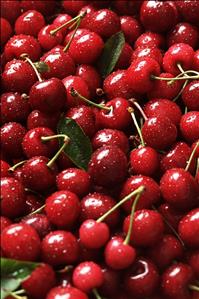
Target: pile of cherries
{"points": [[128, 226]]}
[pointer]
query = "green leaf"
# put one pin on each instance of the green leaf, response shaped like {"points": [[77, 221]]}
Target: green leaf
{"points": [[79, 148], [41, 66], [111, 53], [13, 272]]}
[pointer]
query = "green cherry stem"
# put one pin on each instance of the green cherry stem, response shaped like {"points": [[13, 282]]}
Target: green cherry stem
{"points": [[97, 295], [131, 111], [176, 78], [16, 165], [133, 193], [137, 105], [37, 211], [194, 288], [75, 93], [26, 58], [191, 156], [184, 84]]}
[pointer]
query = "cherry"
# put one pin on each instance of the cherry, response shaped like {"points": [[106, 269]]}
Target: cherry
{"points": [[30, 23], [61, 19], [159, 132], [59, 248], [45, 8], [87, 276], [131, 28], [20, 241], [6, 30], [10, 10], [190, 95], [140, 72], [111, 137], [19, 44], [193, 260], [70, 292], [158, 16], [179, 188], [189, 227], [12, 134], [62, 208], [14, 107], [72, 7], [165, 108], [108, 166], [4, 169], [39, 119], [85, 118], [141, 279], [189, 126], [125, 57], [48, 40], [171, 216], [39, 222], [146, 51], [4, 222], [41, 280], [37, 176], [110, 286], [175, 281], [15, 73], [189, 10], [150, 196], [48, 96], [196, 61], [150, 39], [74, 180], [125, 7], [73, 34]]}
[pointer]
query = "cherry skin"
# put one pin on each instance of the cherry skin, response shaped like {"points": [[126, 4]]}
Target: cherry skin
{"points": [[30, 23], [19, 44], [190, 95], [37, 176], [12, 197], [78, 33], [125, 7], [75, 180], [144, 160], [46, 8], [108, 166], [39, 222], [40, 282], [62, 208], [89, 9], [12, 134], [94, 205], [6, 31], [59, 248], [15, 73], [150, 39], [189, 228], [4, 169], [165, 108], [14, 107], [171, 215], [150, 195], [86, 282], [148, 227], [4, 222], [179, 188], [60, 20], [62, 292], [48, 40], [85, 118], [93, 234], [34, 146], [146, 51], [189, 10], [10, 10], [139, 74], [39, 119], [193, 260], [110, 286], [159, 132], [175, 280], [64, 162], [131, 28], [189, 126], [141, 279], [20, 241], [125, 57], [196, 61], [72, 7]]}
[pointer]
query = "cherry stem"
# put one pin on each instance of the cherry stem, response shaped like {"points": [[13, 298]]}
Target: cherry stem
{"points": [[66, 269], [16, 293], [75, 93], [183, 87], [37, 211], [16, 165], [197, 166], [178, 77], [137, 105], [194, 288], [97, 295], [131, 111], [26, 58], [121, 202], [128, 236], [191, 156], [66, 141]]}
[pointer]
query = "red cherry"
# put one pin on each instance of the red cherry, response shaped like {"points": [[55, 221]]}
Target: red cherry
{"points": [[171, 215], [111, 284], [193, 260], [146, 51], [189, 126], [125, 57], [189, 228], [60, 20], [87, 276], [131, 28], [70, 292], [196, 61], [189, 10], [39, 222], [20, 241], [4, 169], [179, 188], [159, 132], [30, 23], [59, 248], [108, 166], [75, 33], [39, 119], [40, 281], [46, 8], [125, 7], [72, 7], [4, 222], [150, 39], [48, 40], [6, 30], [190, 95], [10, 10]]}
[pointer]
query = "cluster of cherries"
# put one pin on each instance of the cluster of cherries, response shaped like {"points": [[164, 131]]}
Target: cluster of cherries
{"points": [[128, 226]]}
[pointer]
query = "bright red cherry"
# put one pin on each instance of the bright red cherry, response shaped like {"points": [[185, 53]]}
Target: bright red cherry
{"points": [[131, 28], [4, 169], [4, 222], [39, 119], [30, 23], [189, 126], [150, 39], [39, 222], [62, 292], [48, 40], [146, 51], [60, 20], [190, 95], [6, 31]]}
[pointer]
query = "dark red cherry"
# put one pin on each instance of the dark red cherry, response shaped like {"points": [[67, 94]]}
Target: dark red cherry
{"points": [[125, 7], [10, 10], [179, 189], [125, 57], [190, 95], [108, 166], [189, 10], [70, 292], [14, 107], [111, 284], [158, 16], [59, 248], [159, 132], [72, 7], [150, 39], [146, 51], [39, 119], [13, 197], [149, 197], [4, 222], [193, 260], [4, 169], [62, 19], [48, 40], [64, 162], [47, 8], [189, 126], [20, 44], [30, 23], [196, 61], [131, 28], [48, 96], [20, 241], [15, 73], [188, 228], [39, 222], [6, 31], [171, 216]]}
